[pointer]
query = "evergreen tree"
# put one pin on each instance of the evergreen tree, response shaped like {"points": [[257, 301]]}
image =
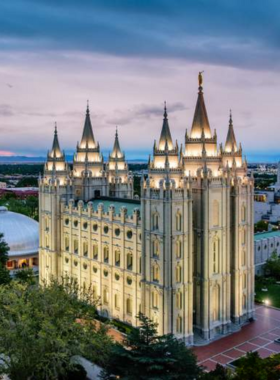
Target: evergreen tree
{"points": [[4, 272], [149, 356]]}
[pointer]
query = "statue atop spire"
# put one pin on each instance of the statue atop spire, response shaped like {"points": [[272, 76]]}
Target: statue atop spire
{"points": [[200, 79]]}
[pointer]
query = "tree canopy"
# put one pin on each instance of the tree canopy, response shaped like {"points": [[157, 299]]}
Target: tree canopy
{"points": [[4, 250]]}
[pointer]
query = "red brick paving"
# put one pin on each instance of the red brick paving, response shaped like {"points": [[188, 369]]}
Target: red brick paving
{"points": [[256, 336]]}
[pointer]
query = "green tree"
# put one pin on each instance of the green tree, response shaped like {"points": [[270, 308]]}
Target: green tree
{"points": [[272, 266], [252, 367], [149, 356], [261, 226], [4, 272], [26, 276], [219, 373], [43, 327]]}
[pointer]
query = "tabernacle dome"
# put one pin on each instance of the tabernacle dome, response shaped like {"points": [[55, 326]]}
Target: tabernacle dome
{"points": [[21, 233]]}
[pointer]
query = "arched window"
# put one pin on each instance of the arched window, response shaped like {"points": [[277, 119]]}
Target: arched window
{"points": [[85, 248], [216, 256], [66, 242], [179, 325], [95, 251], [178, 221], [105, 296], [47, 224], [129, 306], [156, 248], [178, 273], [117, 301], [94, 291], [216, 303], [140, 265], [179, 300], [243, 257], [244, 302], [129, 261], [106, 254], [243, 236], [76, 246], [178, 249], [243, 213], [244, 281], [47, 242], [216, 213], [155, 302], [155, 221], [155, 272], [117, 257]]}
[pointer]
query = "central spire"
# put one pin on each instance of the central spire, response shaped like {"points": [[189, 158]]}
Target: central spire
{"points": [[116, 152], [200, 119], [165, 136], [231, 145], [88, 140], [56, 151]]}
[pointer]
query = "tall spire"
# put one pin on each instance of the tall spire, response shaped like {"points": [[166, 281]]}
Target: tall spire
{"points": [[165, 136], [231, 145], [116, 153], [88, 140], [56, 151], [200, 119]]}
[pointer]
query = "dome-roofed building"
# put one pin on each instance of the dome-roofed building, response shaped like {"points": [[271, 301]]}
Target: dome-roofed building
{"points": [[21, 233]]}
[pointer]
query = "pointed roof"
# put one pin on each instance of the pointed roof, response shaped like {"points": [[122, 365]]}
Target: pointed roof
{"points": [[165, 136], [231, 145], [87, 140], [116, 152], [56, 151], [200, 119]]}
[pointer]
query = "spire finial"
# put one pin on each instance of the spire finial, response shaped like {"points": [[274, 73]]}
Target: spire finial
{"points": [[116, 130], [165, 110], [87, 106], [200, 80], [55, 127], [230, 117]]}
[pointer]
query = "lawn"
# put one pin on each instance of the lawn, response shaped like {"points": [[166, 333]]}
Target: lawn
{"points": [[272, 294]]}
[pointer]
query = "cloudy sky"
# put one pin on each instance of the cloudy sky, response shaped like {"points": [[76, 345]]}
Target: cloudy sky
{"points": [[129, 56]]}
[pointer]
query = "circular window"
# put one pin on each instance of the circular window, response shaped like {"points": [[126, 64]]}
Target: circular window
{"points": [[129, 280], [117, 276], [265, 246], [66, 260], [277, 244], [106, 229], [76, 223], [67, 221], [94, 269], [259, 248], [95, 227], [271, 245], [85, 225], [129, 234], [105, 272], [117, 231], [85, 266], [75, 263]]}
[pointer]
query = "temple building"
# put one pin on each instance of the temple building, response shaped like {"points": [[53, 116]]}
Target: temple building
{"points": [[183, 254]]}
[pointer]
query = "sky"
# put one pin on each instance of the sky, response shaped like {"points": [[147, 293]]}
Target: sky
{"points": [[127, 57]]}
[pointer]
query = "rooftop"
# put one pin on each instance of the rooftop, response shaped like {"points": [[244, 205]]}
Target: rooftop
{"points": [[130, 205], [266, 235]]}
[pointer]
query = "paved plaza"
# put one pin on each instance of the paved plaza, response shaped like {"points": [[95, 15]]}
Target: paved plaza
{"points": [[256, 336]]}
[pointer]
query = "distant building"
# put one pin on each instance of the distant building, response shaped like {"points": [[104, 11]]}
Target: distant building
{"points": [[3, 185], [21, 233], [20, 192], [265, 243]]}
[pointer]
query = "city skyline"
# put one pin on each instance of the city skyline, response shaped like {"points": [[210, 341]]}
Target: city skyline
{"points": [[129, 59]]}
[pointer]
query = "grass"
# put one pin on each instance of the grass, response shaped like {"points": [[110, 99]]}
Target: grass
{"points": [[272, 294]]}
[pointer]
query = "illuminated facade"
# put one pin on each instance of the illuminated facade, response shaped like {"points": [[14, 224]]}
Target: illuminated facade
{"points": [[183, 255]]}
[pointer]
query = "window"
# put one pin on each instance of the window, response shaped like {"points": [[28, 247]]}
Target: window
{"points": [[129, 306], [156, 248], [178, 249], [129, 234], [85, 248], [47, 242], [129, 261], [117, 258], [117, 276], [106, 254], [94, 291], [105, 272], [243, 237], [46, 224], [179, 300], [140, 265], [216, 303], [155, 302], [216, 212], [76, 246], [178, 222], [179, 324], [95, 227], [85, 266], [129, 280], [105, 296], [216, 256], [76, 223], [94, 269], [106, 229], [155, 221], [117, 231], [85, 225], [66, 221], [244, 302], [95, 251], [244, 281], [243, 213], [243, 257], [155, 273], [178, 273], [66, 243], [117, 301]]}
